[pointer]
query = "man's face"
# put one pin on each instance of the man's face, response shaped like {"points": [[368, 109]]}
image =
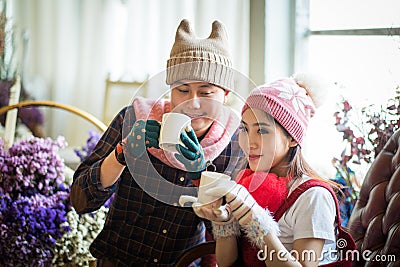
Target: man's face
{"points": [[201, 101]]}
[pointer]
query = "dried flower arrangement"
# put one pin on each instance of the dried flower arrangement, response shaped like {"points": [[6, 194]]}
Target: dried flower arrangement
{"points": [[38, 226], [12, 51], [363, 140], [33, 201]]}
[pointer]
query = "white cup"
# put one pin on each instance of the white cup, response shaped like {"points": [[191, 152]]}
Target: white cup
{"points": [[208, 180], [172, 125]]}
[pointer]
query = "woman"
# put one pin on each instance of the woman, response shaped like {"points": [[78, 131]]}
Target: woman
{"points": [[274, 122]]}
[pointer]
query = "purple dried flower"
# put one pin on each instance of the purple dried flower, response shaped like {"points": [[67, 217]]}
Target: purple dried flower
{"points": [[32, 166], [91, 142], [34, 204], [29, 228]]}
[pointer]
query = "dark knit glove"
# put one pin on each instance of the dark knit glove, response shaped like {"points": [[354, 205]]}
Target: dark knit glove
{"points": [[143, 134], [191, 155]]}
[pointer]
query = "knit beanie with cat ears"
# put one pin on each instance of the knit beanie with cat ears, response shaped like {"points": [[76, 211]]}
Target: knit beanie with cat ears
{"points": [[197, 59], [291, 101]]}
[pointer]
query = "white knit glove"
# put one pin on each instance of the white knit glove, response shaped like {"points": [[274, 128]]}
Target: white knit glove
{"points": [[211, 212], [226, 229], [256, 221], [224, 225]]}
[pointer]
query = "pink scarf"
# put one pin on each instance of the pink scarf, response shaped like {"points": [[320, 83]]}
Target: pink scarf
{"points": [[215, 141]]}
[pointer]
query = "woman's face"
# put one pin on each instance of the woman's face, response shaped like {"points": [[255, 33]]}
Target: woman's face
{"points": [[201, 101], [264, 142]]}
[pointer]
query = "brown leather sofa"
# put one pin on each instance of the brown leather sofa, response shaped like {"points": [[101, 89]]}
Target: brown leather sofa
{"points": [[375, 220]]}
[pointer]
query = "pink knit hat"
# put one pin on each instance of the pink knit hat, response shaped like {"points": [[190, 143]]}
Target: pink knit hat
{"points": [[288, 101]]}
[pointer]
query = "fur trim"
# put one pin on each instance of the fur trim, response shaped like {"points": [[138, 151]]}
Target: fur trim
{"points": [[316, 86], [260, 226], [226, 229]]}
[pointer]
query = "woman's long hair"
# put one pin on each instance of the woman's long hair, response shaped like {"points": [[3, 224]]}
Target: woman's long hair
{"points": [[298, 166]]}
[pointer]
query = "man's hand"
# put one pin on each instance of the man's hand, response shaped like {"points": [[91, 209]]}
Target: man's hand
{"points": [[191, 155], [143, 134]]}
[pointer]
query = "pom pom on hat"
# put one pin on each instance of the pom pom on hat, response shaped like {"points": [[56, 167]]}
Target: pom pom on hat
{"points": [[197, 59], [291, 101], [315, 85]]}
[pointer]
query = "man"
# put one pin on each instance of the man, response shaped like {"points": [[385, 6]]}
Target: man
{"points": [[145, 226]]}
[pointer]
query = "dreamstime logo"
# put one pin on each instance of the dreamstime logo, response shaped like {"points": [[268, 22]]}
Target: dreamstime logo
{"points": [[329, 255], [341, 243]]}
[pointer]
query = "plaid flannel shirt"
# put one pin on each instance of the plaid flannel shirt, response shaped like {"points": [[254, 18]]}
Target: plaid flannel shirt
{"points": [[139, 229]]}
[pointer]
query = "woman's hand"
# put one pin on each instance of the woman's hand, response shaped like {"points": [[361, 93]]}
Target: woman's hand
{"points": [[255, 220], [214, 211]]}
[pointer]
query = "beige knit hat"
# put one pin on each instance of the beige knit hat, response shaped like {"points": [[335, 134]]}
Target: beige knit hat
{"points": [[200, 59]]}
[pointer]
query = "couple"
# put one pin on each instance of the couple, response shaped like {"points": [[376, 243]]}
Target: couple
{"points": [[145, 225]]}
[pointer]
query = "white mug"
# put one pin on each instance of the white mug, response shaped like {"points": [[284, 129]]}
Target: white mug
{"points": [[172, 125], [208, 180]]}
